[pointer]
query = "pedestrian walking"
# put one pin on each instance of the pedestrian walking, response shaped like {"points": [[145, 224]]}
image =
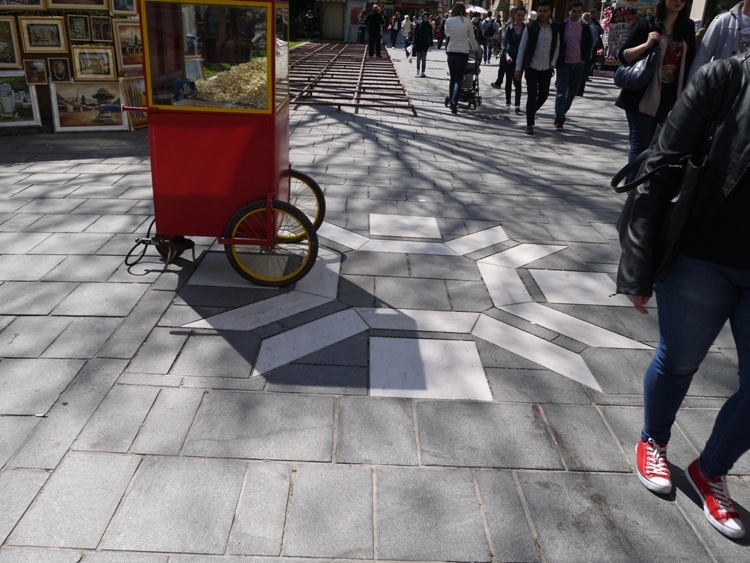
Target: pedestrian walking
{"points": [[501, 67], [489, 31], [440, 34], [375, 22], [726, 36], [395, 28], [422, 43], [707, 284], [460, 31], [406, 32], [537, 56], [509, 55], [596, 34]]}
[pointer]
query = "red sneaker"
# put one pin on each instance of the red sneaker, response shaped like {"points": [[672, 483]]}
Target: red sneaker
{"points": [[652, 468], [717, 504]]}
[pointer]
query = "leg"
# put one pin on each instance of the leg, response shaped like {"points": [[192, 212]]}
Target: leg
{"points": [[517, 85], [576, 76], [562, 86], [371, 39], [510, 69], [378, 45], [545, 78], [532, 94], [423, 56]]}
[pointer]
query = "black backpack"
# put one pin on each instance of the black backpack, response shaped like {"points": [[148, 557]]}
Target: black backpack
{"points": [[488, 26]]}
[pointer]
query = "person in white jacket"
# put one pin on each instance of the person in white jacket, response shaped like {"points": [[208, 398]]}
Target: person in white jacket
{"points": [[726, 36], [460, 30]]}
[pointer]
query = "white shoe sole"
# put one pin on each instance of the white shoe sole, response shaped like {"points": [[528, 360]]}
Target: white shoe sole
{"points": [[726, 530], [653, 487]]}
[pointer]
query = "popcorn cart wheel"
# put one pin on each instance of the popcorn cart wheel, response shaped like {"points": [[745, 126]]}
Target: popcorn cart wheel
{"points": [[306, 195]]}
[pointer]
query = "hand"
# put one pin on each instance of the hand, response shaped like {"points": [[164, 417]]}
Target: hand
{"points": [[517, 75], [653, 38], [640, 302]]}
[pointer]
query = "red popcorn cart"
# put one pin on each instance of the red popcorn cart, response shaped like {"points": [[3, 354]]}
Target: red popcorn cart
{"points": [[217, 96]]}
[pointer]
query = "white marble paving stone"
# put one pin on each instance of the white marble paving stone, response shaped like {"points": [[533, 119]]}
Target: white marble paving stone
{"points": [[412, 319], [403, 226], [306, 339], [576, 329], [216, 271], [522, 254], [503, 284], [580, 288], [476, 241], [261, 313], [536, 349], [323, 279], [408, 246], [427, 369], [341, 236]]}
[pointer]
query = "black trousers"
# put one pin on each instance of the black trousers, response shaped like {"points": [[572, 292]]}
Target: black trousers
{"points": [[537, 91], [373, 45]]}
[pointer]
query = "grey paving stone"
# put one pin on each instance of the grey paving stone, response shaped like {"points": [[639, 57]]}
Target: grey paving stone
{"points": [[506, 520], [259, 526], [115, 557], [473, 434], [375, 264], [376, 431], [350, 352], [443, 267], [331, 513], [627, 521], [542, 386], [21, 243], [107, 207], [69, 243], [263, 426], [697, 425], [429, 514], [469, 296], [716, 377], [357, 291], [77, 503], [84, 269], [56, 433], [31, 386], [618, 371], [30, 555], [32, 298], [82, 337], [165, 510], [18, 488], [314, 378], [18, 267], [114, 425], [167, 424], [13, 431], [28, 337], [62, 223], [218, 353], [101, 300], [159, 351], [412, 293]]}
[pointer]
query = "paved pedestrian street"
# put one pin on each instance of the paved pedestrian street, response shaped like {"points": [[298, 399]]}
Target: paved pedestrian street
{"points": [[455, 379]]}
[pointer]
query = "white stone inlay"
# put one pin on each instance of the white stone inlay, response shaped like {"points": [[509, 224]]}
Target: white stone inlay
{"points": [[522, 254], [413, 319], [403, 226], [215, 270], [323, 279], [503, 284], [536, 349], [572, 327], [407, 246], [262, 313], [427, 369], [477, 241], [581, 288], [341, 236], [306, 339]]}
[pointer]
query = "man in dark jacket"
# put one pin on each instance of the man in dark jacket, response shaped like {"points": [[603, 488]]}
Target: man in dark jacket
{"points": [[374, 22], [576, 44], [706, 284], [422, 43]]}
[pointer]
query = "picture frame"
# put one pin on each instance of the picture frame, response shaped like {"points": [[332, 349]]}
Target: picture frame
{"points": [[43, 34], [79, 28], [76, 106], [35, 71], [101, 29], [18, 102], [25, 5], [93, 63], [193, 68], [9, 50], [59, 70], [124, 8], [129, 44], [133, 90], [77, 5]]}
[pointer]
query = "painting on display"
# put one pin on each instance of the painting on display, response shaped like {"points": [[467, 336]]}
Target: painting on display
{"points": [[25, 5], [78, 4], [43, 35], [134, 95], [18, 102], [101, 28], [79, 28], [59, 70], [129, 45], [35, 71], [77, 106], [93, 63], [124, 8], [8, 44]]}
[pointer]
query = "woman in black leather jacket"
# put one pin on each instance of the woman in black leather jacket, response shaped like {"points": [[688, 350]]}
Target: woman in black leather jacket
{"points": [[708, 283], [672, 29]]}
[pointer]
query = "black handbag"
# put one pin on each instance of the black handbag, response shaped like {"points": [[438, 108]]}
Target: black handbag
{"points": [[638, 74]]}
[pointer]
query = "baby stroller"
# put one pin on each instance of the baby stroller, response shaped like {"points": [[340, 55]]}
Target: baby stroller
{"points": [[470, 86]]}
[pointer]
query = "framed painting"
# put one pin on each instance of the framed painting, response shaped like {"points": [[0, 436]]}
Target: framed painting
{"points": [[134, 94], [124, 8], [101, 28], [93, 63], [8, 44], [59, 70], [193, 68], [77, 5], [77, 106], [43, 35], [79, 28], [35, 71], [128, 45], [25, 5], [18, 102]]}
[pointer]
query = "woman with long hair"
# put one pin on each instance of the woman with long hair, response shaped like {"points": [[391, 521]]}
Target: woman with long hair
{"points": [[460, 31], [674, 32], [511, 42]]}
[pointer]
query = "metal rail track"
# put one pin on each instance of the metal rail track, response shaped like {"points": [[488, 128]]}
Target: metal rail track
{"points": [[341, 74]]}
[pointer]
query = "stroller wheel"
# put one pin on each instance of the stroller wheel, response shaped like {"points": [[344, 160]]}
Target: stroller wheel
{"points": [[479, 101], [472, 105], [447, 101]]}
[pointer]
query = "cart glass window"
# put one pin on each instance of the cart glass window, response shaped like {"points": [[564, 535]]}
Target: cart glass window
{"points": [[207, 55], [282, 54]]}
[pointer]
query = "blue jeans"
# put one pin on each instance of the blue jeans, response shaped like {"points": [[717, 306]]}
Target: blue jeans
{"points": [[641, 128], [695, 300], [421, 60], [457, 67], [569, 77], [487, 43]]}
